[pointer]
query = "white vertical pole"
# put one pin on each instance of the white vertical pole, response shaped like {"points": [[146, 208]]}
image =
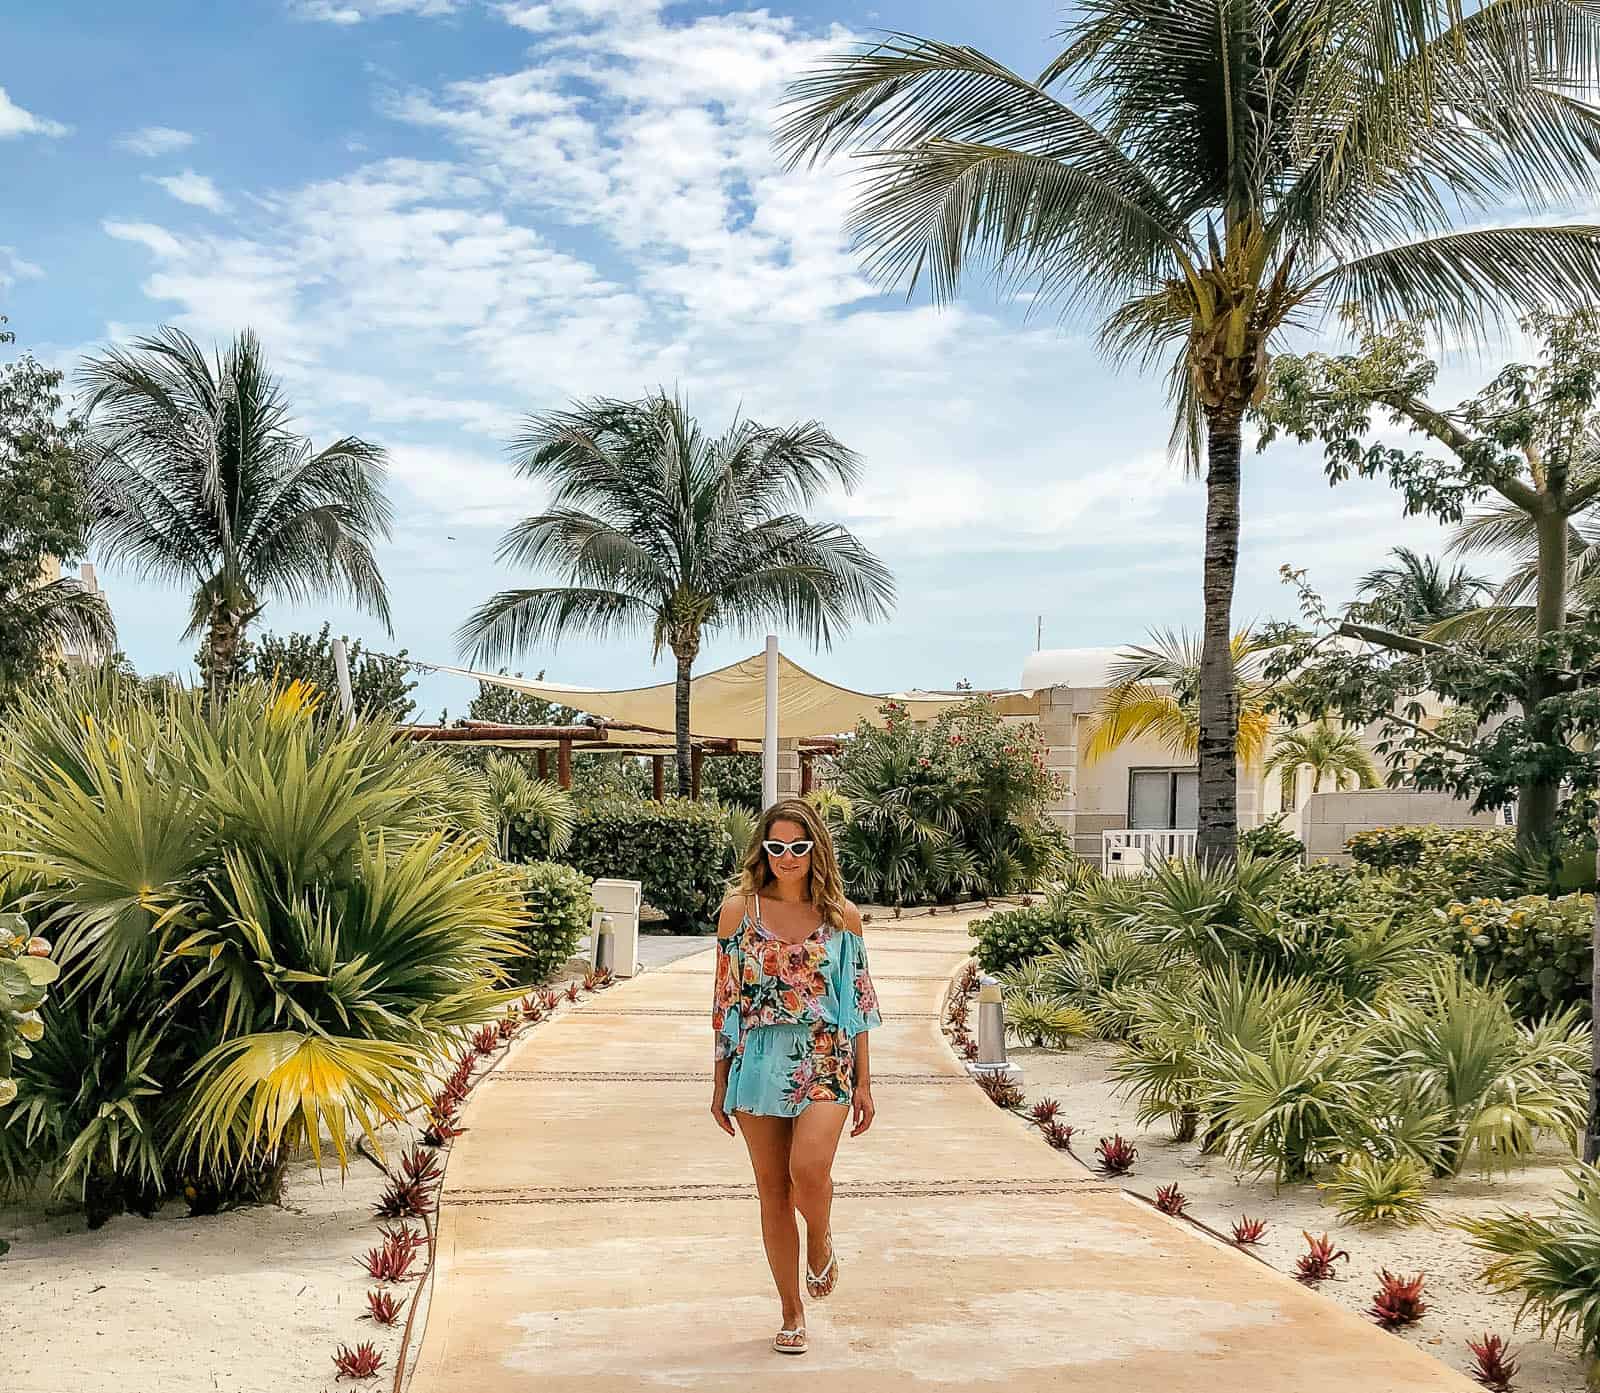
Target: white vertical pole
{"points": [[769, 741], [341, 666]]}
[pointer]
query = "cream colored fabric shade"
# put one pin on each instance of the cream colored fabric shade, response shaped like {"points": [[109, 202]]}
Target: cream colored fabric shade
{"points": [[730, 702]]}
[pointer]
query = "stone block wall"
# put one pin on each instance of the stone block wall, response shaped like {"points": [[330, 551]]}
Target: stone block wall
{"points": [[1329, 820]]}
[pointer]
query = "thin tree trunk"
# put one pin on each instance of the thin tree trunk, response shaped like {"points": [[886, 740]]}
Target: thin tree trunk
{"points": [[1537, 801], [681, 721], [223, 642], [1591, 1137], [1218, 839]]}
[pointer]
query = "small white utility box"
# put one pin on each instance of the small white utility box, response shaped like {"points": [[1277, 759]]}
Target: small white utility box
{"points": [[1124, 861], [618, 901]]}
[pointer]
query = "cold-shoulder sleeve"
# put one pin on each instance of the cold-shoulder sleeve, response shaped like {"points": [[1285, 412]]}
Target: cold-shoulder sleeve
{"points": [[857, 995], [725, 1022]]}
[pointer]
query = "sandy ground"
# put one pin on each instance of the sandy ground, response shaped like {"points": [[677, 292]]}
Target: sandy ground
{"points": [[252, 1301], [1460, 1306]]}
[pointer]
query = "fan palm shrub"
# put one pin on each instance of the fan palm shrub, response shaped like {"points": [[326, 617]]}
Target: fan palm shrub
{"points": [[1497, 1085], [528, 811], [657, 526], [194, 477], [1415, 592], [281, 924], [1221, 175], [1369, 1190], [1549, 1260]]}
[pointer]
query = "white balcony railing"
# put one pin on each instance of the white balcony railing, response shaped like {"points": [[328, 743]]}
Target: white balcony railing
{"points": [[1157, 843]]}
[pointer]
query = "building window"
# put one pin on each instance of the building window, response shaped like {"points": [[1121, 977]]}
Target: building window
{"points": [[1163, 798]]}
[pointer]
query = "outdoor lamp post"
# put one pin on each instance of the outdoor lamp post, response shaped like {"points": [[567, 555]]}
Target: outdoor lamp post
{"points": [[992, 1033]]}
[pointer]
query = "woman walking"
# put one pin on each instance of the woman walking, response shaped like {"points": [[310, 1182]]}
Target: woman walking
{"points": [[792, 1007]]}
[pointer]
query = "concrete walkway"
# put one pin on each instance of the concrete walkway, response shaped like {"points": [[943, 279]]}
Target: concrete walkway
{"points": [[599, 1232]]}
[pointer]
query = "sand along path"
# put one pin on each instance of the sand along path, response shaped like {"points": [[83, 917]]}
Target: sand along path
{"points": [[598, 1232]]}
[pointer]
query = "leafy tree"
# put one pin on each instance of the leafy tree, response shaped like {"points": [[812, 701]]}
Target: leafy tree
{"points": [[1329, 751], [43, 520], [1155, 691], [1532, 437], [1414, 593], [1228, 172], [379, 685], [196, 478], [659, 527], [507, 706]]}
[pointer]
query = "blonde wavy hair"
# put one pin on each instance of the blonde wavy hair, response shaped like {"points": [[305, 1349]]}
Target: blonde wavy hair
{"points": [[825, 886]]}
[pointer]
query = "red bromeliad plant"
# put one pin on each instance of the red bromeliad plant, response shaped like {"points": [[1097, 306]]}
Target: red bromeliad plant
{"points": [[1495, 1366], [1117, 1154], [487, 1040], [1398, 1300], [1057, 1134], [441, 1128], [363, 1361], [383, 1308], [1171, 1200], [969, 1049], [573, 988], [1316, 1263], [508, 1026], [390, 1263], [960, 1014], [1000, 1090], [1045, 1110], [551, 999], [404, 1238], [410, 1194], [1247, 1230]]}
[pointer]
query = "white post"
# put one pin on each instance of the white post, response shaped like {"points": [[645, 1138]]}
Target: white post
{"points": [[341, 666], [769, 742]]}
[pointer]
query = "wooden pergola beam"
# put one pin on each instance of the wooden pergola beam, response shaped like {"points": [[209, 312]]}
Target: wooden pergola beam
{"points": [[485, 733]]}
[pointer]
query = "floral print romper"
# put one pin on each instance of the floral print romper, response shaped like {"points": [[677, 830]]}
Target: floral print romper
{"points": [[787, 1015]]}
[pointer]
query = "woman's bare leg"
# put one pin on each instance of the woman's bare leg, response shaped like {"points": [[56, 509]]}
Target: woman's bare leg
{"points": [[768, 1139], [816, 1138]]}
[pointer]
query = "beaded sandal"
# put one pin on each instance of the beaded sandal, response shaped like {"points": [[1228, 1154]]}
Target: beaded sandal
{"points": [[790, 1341], [820, 1284]]}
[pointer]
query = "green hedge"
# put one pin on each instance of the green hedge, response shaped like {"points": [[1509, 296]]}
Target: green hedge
{"points": [[559, 908], [679, 851], [1270, 842], [1539, 950], [1459, 855], [1017, 936]]}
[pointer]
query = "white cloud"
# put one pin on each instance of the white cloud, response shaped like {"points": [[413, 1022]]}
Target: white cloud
{"points": [[194, 189], [13, 268], [14, 121], [154, 141], [355, 11]]}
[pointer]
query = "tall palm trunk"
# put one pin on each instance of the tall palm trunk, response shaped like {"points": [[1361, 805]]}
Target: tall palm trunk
{"points": [[223, 638], [1217, 842], [685, 652], [1538, 799]]}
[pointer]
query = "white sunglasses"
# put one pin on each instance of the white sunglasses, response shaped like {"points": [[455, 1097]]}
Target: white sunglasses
{"points": [[777, 849]]}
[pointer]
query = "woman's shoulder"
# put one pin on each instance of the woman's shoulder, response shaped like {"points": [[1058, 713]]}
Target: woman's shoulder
{"points": [[852, 918], [731, 915]]}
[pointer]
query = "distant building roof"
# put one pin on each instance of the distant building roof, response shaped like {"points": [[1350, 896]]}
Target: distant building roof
{"points": [[1069, 667]]}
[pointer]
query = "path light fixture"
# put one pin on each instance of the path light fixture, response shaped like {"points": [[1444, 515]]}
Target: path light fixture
{"points": [[992, 1034]]}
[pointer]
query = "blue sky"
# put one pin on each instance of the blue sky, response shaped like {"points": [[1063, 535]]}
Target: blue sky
{"points": [[441, 214]]}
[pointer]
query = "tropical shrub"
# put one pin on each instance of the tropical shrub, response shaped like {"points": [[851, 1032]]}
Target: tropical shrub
{"points": [[1368, 1190], [1269, 841], [735, 781], [1539, 951], [948, 808], [678, 850], [26, 972], [532, 815], [1550, 1260], [1017, 936], [272, 926], [1453, 862], [559, 906]]}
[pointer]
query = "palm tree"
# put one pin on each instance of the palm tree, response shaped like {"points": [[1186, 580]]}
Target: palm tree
{"points": [[194, 477], [54, 618], [1416, 592], [1328, 750], [659, 527], [1230, 170], [1155, 690]]}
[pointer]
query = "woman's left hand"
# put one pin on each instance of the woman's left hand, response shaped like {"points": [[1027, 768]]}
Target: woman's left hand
{"points": [[862, 1109]]}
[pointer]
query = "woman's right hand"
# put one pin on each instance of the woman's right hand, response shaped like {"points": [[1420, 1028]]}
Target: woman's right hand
{"points": [[723, 1120]]}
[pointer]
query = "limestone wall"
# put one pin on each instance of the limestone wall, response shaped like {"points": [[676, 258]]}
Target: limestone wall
{"points": [[1329, 820]]}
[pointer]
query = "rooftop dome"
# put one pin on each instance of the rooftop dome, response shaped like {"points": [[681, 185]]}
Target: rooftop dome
{"points": [[1068, 667]]}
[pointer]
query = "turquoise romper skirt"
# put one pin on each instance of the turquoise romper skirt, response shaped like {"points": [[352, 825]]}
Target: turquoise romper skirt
{"points": [[786, 1015]]}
